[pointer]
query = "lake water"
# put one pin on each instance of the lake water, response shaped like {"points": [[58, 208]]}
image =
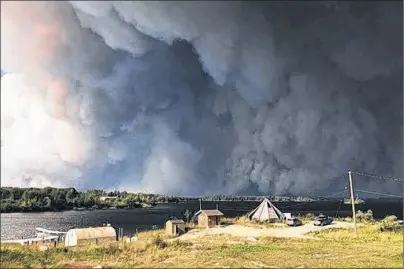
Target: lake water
{"points": [[22, 225]]}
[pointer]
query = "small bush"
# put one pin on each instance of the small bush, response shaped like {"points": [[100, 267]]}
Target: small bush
{"points": [[306, 217], [348, 219], [179, 244], [159, 242], [243, 219], [192, 226], [365, 216], [309, 216], [390, 224], [162, 244], [390, 219]]}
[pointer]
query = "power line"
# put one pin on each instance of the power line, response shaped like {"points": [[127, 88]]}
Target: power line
{"points": [[331, 195], [377, 176], [342, 176], [296, 206], [385, 194]]}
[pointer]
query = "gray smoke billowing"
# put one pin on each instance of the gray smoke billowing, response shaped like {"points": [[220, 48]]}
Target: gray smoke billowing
{"points": [[193, 98]]}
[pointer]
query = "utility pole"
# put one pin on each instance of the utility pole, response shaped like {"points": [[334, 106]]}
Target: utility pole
{"points": [[352, 201]]}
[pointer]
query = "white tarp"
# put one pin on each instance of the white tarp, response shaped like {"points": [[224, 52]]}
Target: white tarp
{"points": [[265, 211]]}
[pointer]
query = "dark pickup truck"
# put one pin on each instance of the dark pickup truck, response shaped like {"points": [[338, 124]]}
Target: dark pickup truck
{"points": [[323, 220]]}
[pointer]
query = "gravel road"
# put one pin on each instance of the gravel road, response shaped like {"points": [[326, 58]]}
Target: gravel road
{"points": [[244, 231]]}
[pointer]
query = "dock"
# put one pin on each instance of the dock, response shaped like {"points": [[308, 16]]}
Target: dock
{"points": [[32, 241], [44, 236]]}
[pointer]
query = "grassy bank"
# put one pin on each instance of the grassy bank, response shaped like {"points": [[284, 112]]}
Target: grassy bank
{"points": [[335, 248]]}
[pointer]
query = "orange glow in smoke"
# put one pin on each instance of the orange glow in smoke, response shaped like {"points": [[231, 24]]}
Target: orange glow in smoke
{"points": [[41, 29], [56, 97], [33, 33]]}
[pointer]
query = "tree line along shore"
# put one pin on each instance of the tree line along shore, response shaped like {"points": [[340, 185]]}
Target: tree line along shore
{"points": [[57, 199]]}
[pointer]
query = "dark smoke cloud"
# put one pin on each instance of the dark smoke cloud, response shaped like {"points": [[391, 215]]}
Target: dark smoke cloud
{"points": [[200, 97]]}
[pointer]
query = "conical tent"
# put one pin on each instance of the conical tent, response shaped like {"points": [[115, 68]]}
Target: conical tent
{"points": [[265, 211]]}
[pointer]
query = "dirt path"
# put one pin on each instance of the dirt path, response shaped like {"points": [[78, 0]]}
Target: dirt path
{"points": [[244, 231]]}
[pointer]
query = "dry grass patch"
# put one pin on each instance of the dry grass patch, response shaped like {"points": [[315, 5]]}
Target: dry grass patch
{"points": [[255, 224], [368, 231], [338, 248]]}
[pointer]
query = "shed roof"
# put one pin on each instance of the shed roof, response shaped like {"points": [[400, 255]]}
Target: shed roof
{"points": [[213, 212], [176, 221], [90, 233]]}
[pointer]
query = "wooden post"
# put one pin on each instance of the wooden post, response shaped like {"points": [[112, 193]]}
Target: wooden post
{"points": [[352, 201], [200, 204]]}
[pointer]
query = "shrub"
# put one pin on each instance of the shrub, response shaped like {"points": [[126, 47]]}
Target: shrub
{"points": [[390, 224], [390, 219], [309, 216], [159, 242], [243, 220], [364, 216], [305, 218], [348, 219], [162, 244]]}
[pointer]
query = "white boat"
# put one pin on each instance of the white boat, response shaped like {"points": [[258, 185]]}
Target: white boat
{"points": [[46, 231]]}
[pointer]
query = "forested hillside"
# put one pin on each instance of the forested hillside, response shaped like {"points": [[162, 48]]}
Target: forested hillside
{"points": [[50, 199]]}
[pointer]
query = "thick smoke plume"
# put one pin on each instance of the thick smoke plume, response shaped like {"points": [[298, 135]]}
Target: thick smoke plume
{"points": [[193, 98]]}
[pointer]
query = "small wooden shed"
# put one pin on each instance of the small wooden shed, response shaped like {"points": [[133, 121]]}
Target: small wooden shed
{"points": [[175, 227], [209, 218], [75, 237]]}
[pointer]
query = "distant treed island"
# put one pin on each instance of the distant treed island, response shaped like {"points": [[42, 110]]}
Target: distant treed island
{"points": [[57, 199]]}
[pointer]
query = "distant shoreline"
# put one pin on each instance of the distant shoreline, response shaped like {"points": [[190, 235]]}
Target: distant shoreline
{"points": [[143, 206], [76, 209], [23, 200], [60, 199]]}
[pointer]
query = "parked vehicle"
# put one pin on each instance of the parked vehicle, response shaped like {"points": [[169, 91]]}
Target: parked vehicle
{"points": [[293, 222], [323, 220]]}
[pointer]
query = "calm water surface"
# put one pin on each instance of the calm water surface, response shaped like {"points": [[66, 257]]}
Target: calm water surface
{"points": [[22, 225]]}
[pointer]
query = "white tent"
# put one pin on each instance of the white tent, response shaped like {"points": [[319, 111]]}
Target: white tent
{"points": [[265, 211]]}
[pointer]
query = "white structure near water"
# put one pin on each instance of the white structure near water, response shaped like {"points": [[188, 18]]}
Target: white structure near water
{"points": [[266, 211], [75, 237]]}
